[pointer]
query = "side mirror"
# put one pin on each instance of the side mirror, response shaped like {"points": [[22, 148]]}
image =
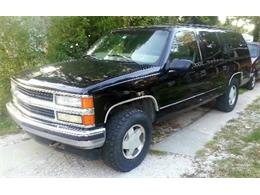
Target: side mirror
{"points": [[180, 65]]}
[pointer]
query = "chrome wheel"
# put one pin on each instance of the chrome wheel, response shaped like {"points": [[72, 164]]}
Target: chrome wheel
{"points": [[232, 95], [133, 141]]}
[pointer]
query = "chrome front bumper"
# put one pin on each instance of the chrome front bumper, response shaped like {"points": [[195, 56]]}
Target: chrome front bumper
{"points": [[87, 138]]}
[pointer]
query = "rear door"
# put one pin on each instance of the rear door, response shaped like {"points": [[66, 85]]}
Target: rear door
{"points": [[213, 61], [236, 54]]}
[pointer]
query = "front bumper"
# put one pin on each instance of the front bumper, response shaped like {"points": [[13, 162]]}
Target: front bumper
{"points": [[80, 138]]}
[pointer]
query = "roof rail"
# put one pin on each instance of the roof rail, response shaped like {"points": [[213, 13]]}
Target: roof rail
{"points": [[201, 26]]}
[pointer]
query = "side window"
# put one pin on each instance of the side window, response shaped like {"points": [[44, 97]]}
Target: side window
{"points": [[234, 44], [185, 46], [253, 50], [210, 43]]}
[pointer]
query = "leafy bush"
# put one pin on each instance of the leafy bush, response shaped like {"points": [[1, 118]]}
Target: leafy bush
{"points": [[19, 49]]}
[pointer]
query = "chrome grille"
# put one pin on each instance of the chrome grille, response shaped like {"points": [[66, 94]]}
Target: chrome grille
{"points": [[38, 110], [39, 103], [35, 94]]}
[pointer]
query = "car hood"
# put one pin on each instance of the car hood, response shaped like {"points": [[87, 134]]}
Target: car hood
{"points": [[82, 73]]}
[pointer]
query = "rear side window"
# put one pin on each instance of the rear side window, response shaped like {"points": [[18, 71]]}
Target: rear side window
{"points": [[210, 44], [234, 44], [185, 46], [254, 50]]}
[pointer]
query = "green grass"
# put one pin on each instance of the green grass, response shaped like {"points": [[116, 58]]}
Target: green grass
{"points": [[242, 90], [7, 126], [158, 153], [238, 145], [253, 137]]}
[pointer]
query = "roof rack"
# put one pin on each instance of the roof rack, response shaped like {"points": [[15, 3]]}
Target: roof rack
{"points": [[202, 26], [176, 25]]}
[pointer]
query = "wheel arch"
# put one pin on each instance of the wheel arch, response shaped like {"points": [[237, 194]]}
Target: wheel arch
{"points": [[238, 75], [132, 100]]}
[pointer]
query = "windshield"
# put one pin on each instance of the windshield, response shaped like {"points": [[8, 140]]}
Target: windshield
{"points": [[142, 47], [254, 50]]}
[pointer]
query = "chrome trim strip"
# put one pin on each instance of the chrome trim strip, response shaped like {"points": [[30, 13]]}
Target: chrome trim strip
{"points": [[47, 90], [14, 112], [55, 120], [131, 100], [178, 102], [234, 75], [50, 105]]}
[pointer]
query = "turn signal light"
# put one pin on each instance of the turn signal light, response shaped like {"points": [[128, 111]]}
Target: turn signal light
{"points": [[88, 119], [87, 102]]}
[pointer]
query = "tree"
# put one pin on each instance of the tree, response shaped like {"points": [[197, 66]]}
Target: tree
{"points": [[255, 20], [69, 37], [66, 37], [232, 23], [18, 51], [256, 32], [206, 20]]}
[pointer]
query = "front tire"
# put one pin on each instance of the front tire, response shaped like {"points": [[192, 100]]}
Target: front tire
{"points": [[228, 100], [128, 139]]}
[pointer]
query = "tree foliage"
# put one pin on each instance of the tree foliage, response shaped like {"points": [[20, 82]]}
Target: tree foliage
{"points": [[19, 49], [205, 20], [256, 32], [69, 37], [232, 22]]}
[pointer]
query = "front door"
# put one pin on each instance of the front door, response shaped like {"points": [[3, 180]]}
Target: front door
{"points": [[178, 90]]}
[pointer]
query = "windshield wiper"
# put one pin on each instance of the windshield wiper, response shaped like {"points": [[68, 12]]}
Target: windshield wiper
{"points": [[121, 56]]}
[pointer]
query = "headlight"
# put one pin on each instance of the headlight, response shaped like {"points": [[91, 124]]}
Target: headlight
{"points": [[85, 102], [84, 119], [68, 101]]}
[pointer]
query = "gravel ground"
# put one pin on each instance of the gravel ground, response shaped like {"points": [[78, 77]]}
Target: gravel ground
{"points": [[32, 159]]}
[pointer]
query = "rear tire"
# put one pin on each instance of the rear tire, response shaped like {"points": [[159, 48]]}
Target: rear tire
{"points": [[128, 139], [228, 100], [251, 83]]}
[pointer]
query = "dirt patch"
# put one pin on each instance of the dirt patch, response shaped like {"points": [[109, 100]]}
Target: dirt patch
{"points": [[170, 126]]}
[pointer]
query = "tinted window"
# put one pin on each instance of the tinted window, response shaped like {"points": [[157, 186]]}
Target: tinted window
{"points": [[254, 50], [185, 46], [210, 43], [234, 44]]}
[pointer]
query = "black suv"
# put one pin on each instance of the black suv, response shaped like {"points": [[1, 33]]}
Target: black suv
{"points": [[126, 80]]}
